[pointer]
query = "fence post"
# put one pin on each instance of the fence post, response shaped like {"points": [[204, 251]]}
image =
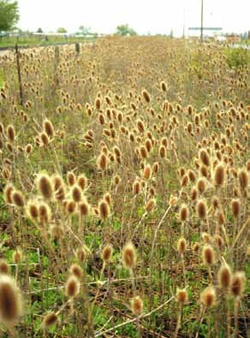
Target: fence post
{"points": [[77, 48], [19, 75]]}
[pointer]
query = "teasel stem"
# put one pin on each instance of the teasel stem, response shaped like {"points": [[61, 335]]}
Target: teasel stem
{"points": [[178, 325]]}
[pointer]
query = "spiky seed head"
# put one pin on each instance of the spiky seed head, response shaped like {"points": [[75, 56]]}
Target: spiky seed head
{"points": [[44, 139], [184, 213], [76, 193], [76, 270], [32, 209], [182, 296], [215, 202], [194, 194], [243, 179], [191, 176], [81, 254], [238, 284], [235, 208], [208, 297], [196, 247], [49, 320], [71, 206], [137, 306], [224, 276], [48, 128], [136, 187], [107, 198], [104, 209], [208, 255], [182, 245], [146, 96], [102, 162], [72, 287], [7, 193], [18, 198], [10, 301], [150, 205], [45, 186], [71, 178], [10, 132], [84, 207], [107, 253], [4, 267], [143, 152], [162, 151], [204, 157], [219, 175], [82, 181], [201, 185], [44, 213], [201, 209], [129, 256], [147, 173], [17, 256]]}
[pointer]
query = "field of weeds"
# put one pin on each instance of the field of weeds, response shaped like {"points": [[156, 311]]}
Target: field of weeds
{"points": [[124, 190]]}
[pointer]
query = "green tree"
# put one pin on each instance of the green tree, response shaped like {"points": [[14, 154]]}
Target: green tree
{"points": [[39, 30], [84, 30], [125, 30], [8, 15], [61, 30]]}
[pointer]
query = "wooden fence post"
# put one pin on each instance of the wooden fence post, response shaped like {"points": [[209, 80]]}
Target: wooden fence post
{"points": [[19, 75]]}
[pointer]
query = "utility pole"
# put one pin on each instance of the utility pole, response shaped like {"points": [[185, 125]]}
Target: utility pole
{"points": [[201, 20]]}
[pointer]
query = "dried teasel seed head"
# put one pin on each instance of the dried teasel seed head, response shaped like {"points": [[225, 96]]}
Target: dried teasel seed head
{"points": [[224, 276], [102, 162], [82, 181], [235, 208], [208, 255], [146, 96], [182, 296], [243, 179], [76, 193], [137, 306], [7, 193], [208, 297], [147, 173], [129, 256], [45, 186], [49, 320], [204, 157], [10, 133], [150, 205], [44, 139], [72, 287], [4, 267], [71, 178], [219, 175], [81, 254], [18, 198], [107, 253], [76, 271], [48, 128], [215, 202], [201, 185], [136, 187], [10, 301], [238, 284], [44, 213], [182, 246], [103, 209], [196, 247], [84, 207], [17, 257], [32, 209], [201, 209], [184, 213], [107, 198]]}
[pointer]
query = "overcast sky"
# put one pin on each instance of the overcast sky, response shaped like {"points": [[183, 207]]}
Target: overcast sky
{"points": [[144, 16]]}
